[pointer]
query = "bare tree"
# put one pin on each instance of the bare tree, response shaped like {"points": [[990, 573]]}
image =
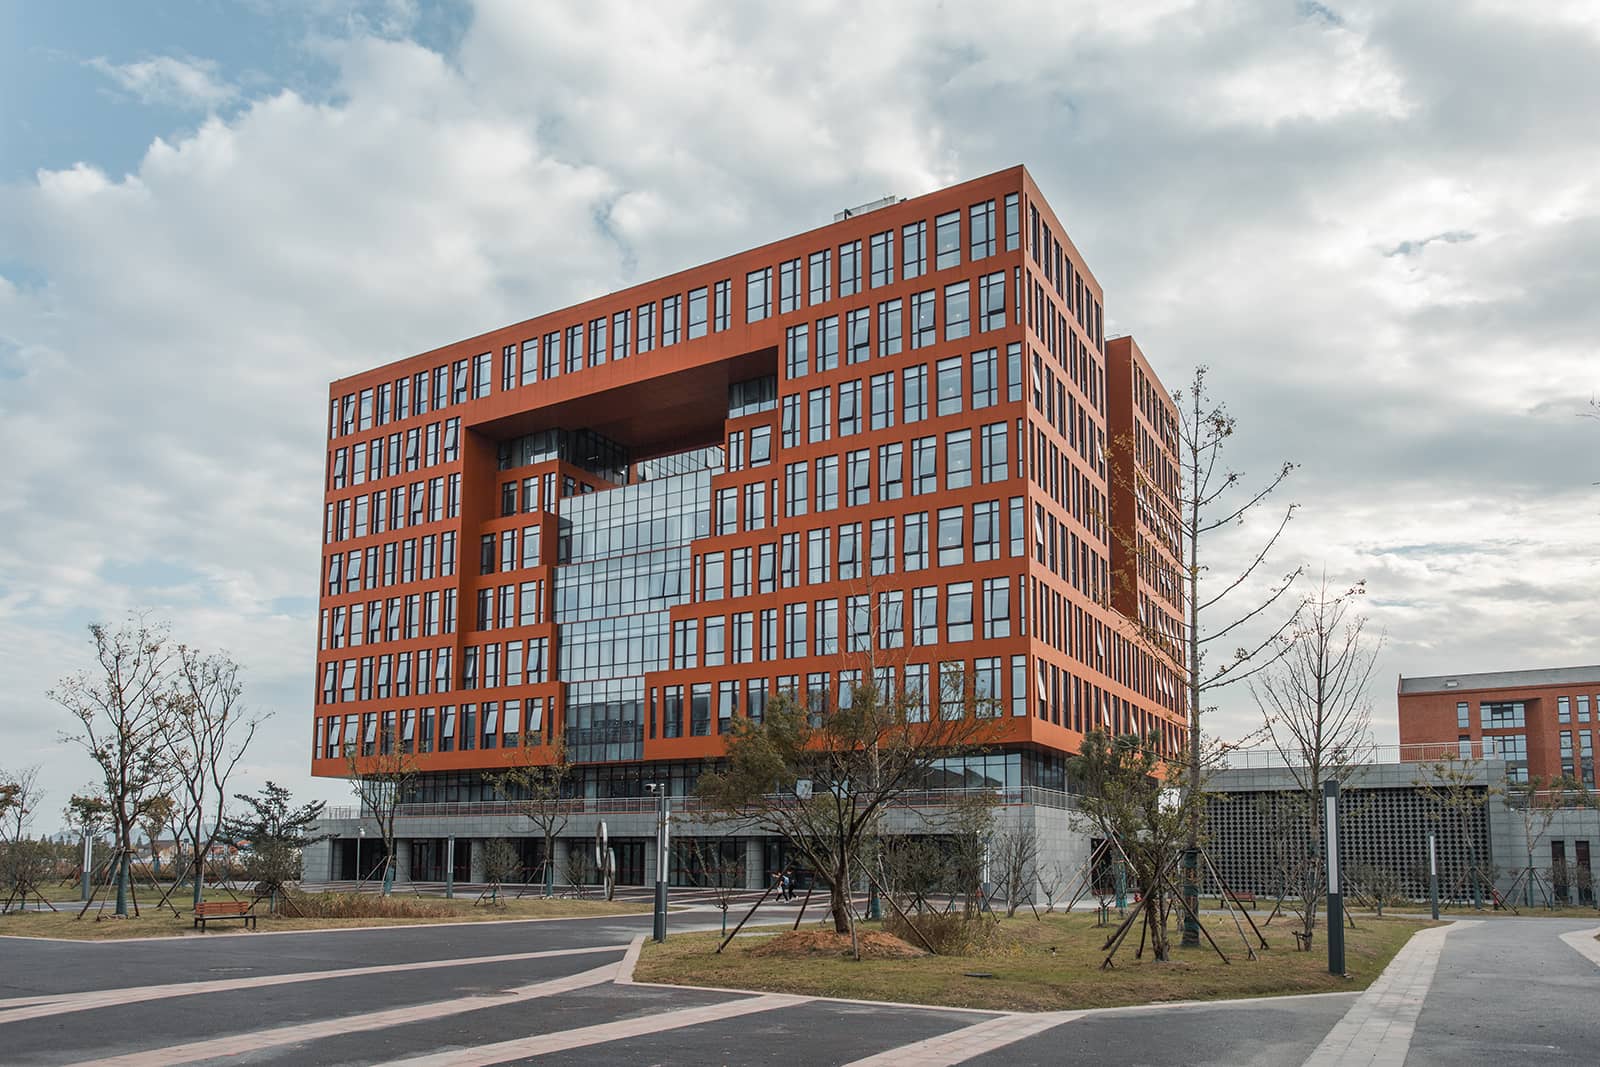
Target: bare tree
{"points": [[724, 877], [820, 772], [1454, 790], [20, 798], [381, 770], [536, 786], [23, 861], [1052, 883], [156, 818], [124, 713], [1015, 857], [1537, 801], [1318, 715], [1245, 606], [211, 732]]}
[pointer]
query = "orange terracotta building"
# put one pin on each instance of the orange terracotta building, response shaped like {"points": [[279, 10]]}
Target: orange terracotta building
{"points": [[627, 522], [1543, 723]]}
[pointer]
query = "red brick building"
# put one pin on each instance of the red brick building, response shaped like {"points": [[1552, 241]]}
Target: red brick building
{"points": [[632, 520], [1543, 723]]}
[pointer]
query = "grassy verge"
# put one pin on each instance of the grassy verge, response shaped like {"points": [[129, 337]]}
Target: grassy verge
{"points": [[1464, 912], [153, 923], [1047, 965]]}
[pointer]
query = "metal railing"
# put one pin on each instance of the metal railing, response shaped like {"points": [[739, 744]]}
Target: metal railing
{"points": [[1269, 756], [926, 798]]}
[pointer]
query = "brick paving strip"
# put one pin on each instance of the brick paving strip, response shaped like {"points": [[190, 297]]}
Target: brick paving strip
{"points": [[16, 1009], [543, 1044], [958, 1046], [257, 1040], [1583, 942], [1376, 1031]]}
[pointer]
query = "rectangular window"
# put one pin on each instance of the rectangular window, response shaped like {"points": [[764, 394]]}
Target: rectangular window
{"points": [[827, 483], [924, 330], [797, 351], [949, 386], [958, 459], [914, 393], [996, 467], [796, 477], [789, 286], [985, 531], [825, 628], [790, 418], [850, 407], [958, 611], [828, 343], [992, 301], [699, 312], [985, 380], [957, 311], [669, 319], [889, 326], [858, 335], [996, 607], [891, 619], [722, 299], [794, 631], [858, 469], [552, 355], [530, 361], [980, 226], [881, 548], [820, 268], [925, 615], [758, 294], [1564, 710], [819, 417], [850, 268], [952, 537], [597, 341], [891, 471], [882, 250], [644, 338], [849, 551], [574, 349], [924, 466], [882, 401], [916, 541], [914, 248], [947, 240], [1013, 222]]}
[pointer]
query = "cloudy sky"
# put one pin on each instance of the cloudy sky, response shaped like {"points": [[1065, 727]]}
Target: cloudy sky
{"points": [[1378, 223]]}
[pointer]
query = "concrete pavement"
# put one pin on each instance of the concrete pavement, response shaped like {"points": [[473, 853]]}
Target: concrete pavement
{"points": [[544, 991]]}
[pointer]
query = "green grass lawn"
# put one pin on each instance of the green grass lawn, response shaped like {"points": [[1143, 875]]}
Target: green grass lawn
{"points": [[1028, 976], [162, 923]]}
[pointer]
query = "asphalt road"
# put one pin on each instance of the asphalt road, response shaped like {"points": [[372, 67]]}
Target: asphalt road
{"points": [[1503, 990]]}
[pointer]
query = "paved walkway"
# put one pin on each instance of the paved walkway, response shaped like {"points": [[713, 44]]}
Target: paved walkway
{"points": [[1522, 990]]}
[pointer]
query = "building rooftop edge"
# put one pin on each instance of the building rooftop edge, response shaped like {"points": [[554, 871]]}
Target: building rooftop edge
{"points": [[1020, 169], [1450, 683]]}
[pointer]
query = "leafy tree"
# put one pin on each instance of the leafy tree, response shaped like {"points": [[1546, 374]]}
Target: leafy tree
{"points": [[821, 772], [157, 817], [278, 832], [124, 713], [1131, 797]]}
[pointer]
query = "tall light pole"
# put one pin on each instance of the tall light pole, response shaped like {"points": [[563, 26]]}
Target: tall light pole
{"points": [[1330, 818], [1433, 875], [88, 858], [663, 834], [361, 835]]}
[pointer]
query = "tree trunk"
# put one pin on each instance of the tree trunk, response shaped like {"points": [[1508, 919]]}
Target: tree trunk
{"points": [[839, 901]]}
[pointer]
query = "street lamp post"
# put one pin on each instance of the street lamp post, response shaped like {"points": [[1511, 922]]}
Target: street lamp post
{"points": [[1330, 802], [361, 835], [88, 858], [1433, 874], [663, 833]]}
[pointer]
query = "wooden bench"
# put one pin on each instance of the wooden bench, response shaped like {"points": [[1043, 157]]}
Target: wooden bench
{"points": [[212, 910], [1240, 899]]}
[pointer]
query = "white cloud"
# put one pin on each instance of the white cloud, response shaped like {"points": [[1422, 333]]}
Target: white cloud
{"points": [[1234, 176], [170, 80]]}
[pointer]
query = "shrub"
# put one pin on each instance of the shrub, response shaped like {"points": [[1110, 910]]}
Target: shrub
{"points": [[950, 933], [362, 906]]}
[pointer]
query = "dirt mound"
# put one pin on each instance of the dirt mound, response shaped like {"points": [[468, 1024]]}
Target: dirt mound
{"points": [[875, 945]]}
